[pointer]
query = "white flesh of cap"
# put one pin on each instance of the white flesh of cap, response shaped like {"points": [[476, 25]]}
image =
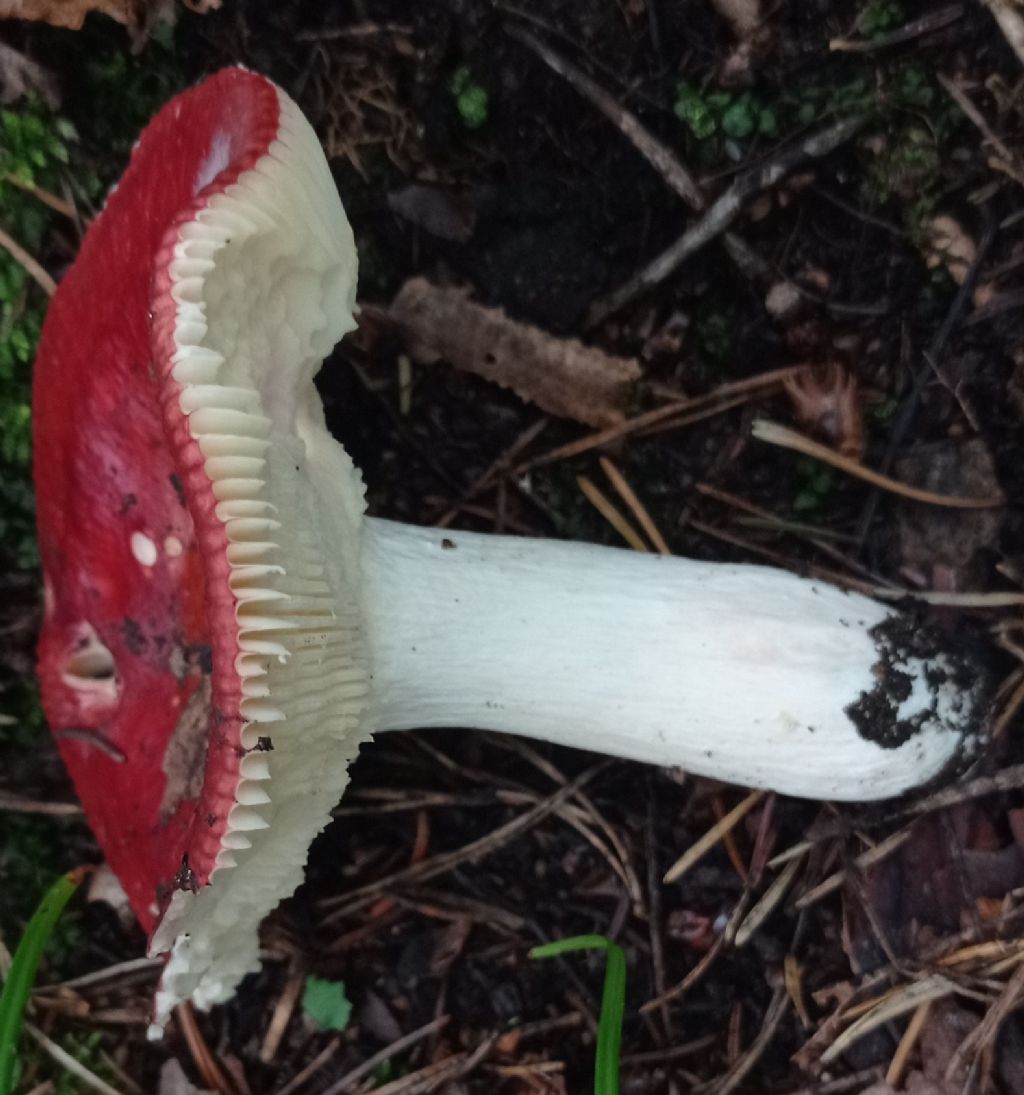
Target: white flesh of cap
{"points": [[264, 280]]}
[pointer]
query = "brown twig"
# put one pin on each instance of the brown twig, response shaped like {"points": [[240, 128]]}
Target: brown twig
{"points": [[675, 415], [320, 1061], [985, 1033], [1009, 779], [729, 839], [1011, 23], [777, 1011], [811, 535], [655, 1057], [691, 978], [775, 434], [767, 903], [499, 465], [636, 507], [68, 1063], [434, 1076], [720, 214], [898, 1064], [654, 918], [58, 205], [870, 858], [610, 512], [1010, 165], [282, 1015], [472, 852], [400, 1045], [655, 152], [699, 848], [209, 1068], [934, 20], [31, 267], [621, 863], [859, 1081], [18, 804]]}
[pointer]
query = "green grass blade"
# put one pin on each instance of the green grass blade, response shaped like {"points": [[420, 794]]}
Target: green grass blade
{"points": [[613, 1003], [609, 1026], [18, 985]]}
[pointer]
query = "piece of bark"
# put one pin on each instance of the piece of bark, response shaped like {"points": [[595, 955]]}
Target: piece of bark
{"points": [[561, 376], [139, 16]]}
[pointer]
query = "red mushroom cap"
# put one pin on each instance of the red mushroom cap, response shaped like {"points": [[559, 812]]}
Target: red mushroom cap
{"points": [[136, 640], [199, 526]]}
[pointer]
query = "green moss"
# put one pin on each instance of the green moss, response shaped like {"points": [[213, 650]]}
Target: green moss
{"points": [[35, 147], [736, 115], [471, 98], [878, 16]]}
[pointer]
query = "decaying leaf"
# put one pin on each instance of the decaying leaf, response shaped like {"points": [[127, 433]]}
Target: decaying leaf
{"points": [[139, 16], [562, 376], [825, 400], [20, 76], [71, 13]]}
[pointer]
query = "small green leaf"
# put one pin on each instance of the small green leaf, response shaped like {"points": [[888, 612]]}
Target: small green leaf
{"points": [[326, 1004], [471, 98], [472, 104], [691, 108], [740, 119]]}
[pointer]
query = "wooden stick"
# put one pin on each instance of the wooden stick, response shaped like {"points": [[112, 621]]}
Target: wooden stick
{"points": [[720, 214], [28, 263], [775, 434], [701, 847]]}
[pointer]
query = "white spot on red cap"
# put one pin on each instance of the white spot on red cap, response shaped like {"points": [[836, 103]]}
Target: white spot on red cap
{"points": [[144, 549], [173, 546]]}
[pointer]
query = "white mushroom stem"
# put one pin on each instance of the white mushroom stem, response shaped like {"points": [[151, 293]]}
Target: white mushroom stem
{"points": [[743, 673]]}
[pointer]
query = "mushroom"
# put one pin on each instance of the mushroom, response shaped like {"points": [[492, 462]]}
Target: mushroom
{"points": [[223, 626]]}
